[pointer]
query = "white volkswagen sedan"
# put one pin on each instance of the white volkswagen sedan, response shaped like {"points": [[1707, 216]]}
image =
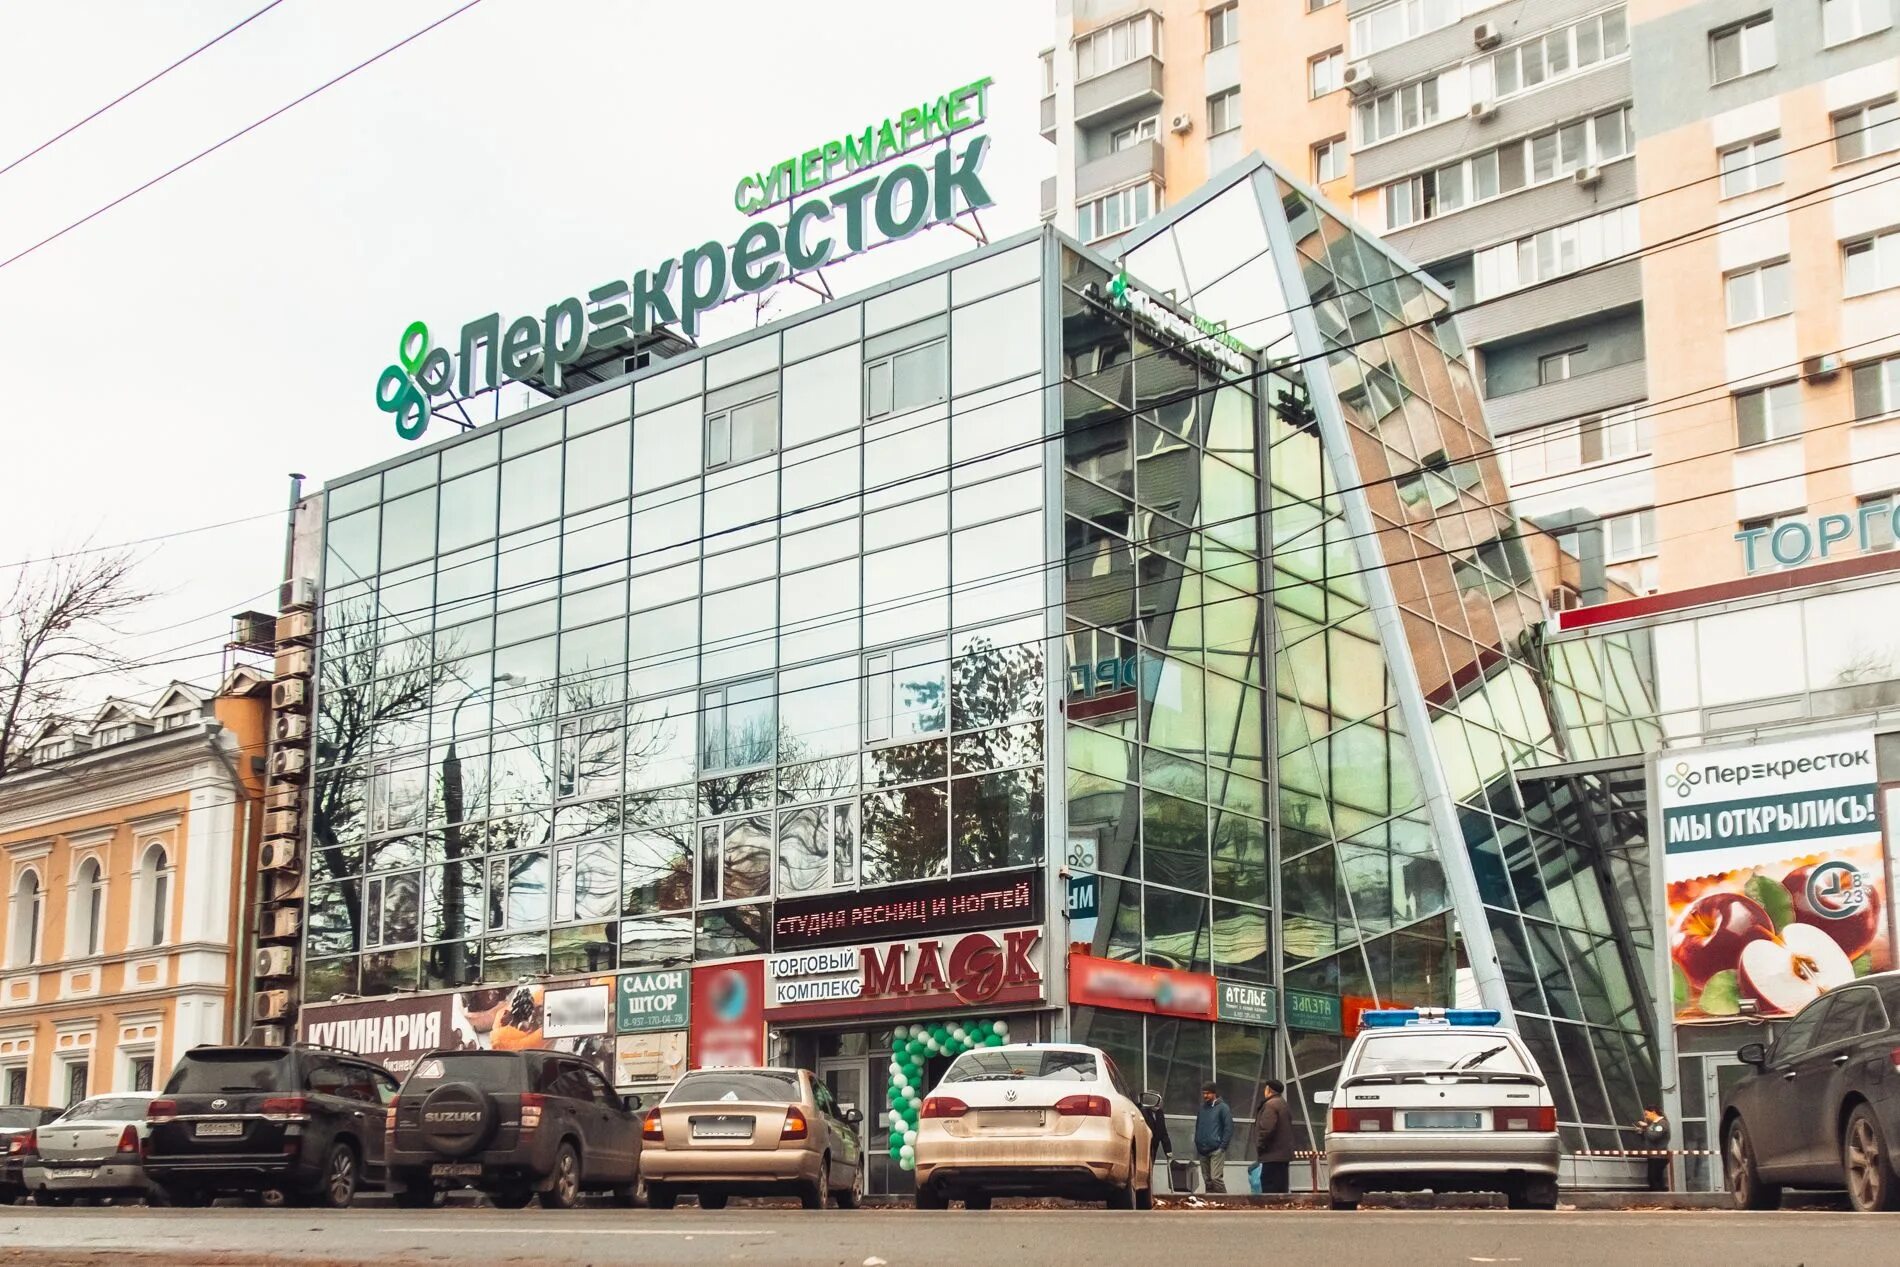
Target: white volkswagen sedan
{"points": [[1446, 1100], [1033, 1120]]}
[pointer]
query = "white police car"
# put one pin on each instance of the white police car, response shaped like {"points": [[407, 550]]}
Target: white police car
{"points": [[1441, 1099]]}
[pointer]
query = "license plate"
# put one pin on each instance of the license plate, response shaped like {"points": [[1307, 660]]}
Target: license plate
{"points": [[78, 1173], [218, 1128], [1012, 1119], [456, 1170], [1443, 1121], [722, 1128]]}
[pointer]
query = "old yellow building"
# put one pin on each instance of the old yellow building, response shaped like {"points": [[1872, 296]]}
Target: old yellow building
{"points": [[127, 847]]}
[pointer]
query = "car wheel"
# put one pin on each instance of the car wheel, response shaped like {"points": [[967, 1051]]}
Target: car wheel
{"points": [[564, 1185], [853, 1197], [817, 1193], [931, 1197], [660, 1197], [511, 1198], [338, 1186], [977, 1201], [712, 1200], [1344, 1198], [1123, 1198], [1871, 1185], [630, 1195], [56, 1199], [1745, 1185]]}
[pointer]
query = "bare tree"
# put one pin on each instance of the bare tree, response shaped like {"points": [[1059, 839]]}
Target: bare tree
{"points": [[58, 621]]}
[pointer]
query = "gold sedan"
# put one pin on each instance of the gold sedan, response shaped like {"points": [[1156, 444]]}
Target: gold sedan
{"points": [[753, 1132]]}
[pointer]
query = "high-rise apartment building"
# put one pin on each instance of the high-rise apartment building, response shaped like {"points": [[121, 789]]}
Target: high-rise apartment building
{"points": [[1663, 221]]}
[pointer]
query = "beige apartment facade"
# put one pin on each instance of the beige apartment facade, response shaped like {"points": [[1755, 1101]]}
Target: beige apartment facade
{"points": [[124, 846]]}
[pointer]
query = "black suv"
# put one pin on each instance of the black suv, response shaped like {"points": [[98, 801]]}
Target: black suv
{"points": [[513, 1124], [17, 1121], [1822, 1107], [303, 1123]]}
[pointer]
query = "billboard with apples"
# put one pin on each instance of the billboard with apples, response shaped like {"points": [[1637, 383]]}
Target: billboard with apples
{"points": [[1775, 874]]}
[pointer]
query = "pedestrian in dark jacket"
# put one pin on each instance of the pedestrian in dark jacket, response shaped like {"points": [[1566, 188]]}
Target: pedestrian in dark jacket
{"points": [[1213, 1131], [1273, 1137]]}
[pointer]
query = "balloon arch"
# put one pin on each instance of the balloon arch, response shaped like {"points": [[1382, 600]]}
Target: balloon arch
{"points": [[911, 1046]]}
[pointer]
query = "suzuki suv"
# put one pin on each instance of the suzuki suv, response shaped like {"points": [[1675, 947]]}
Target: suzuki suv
{"points": [[302, 1124], [514, 1124]]}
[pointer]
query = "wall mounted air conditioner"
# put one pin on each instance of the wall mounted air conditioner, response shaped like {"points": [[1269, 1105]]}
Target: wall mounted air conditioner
{"points": [[1563, 599], [1482, 110], [270, 1005], [289, 728], [283, 796], [283, 886], [1358, 78], [275, 961], [296, 627], [1181, 124], [297, 593], [1587, 176], [289, 694], [1818, 369], [1486, 35], [282, 924], [282, 822], [288, 763], [277, 855], [293, 663], [269, 1035]]}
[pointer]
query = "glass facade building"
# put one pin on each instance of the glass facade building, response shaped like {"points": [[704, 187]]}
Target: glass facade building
{"points": [[1191, 571]]}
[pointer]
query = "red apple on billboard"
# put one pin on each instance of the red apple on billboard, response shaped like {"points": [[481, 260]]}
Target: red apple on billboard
{"points": [[1712, 932], [1832, 897], [1786, 974]]}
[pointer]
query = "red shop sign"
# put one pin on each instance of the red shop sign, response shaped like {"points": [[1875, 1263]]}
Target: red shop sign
{"points": [[1134, 987], [728, 1016], [932, 974]]}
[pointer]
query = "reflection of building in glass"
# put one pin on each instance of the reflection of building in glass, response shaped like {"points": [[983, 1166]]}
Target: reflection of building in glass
{"points": [[659, 674]]}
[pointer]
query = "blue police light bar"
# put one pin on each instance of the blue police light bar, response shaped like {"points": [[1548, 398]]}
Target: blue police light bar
{"points": [[1388, 1018], [1394, 1018], [1473, 1016]]}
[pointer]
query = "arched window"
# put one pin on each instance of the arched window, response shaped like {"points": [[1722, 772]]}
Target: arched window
{"points": [[155, 892], [88, 911], [23, 946]]}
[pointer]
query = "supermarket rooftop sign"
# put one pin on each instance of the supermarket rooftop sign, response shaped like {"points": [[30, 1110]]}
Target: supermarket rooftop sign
{"points": [[904, 199]]}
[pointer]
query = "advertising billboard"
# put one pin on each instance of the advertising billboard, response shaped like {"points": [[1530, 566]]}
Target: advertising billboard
{"points": [[960, 905], [1774, 873], [1134, 987], [574, 1016], [929, 974], [728, 1015]]}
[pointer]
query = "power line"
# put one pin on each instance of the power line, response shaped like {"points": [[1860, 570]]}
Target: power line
{"points": [[137, 88], [212, 149]]}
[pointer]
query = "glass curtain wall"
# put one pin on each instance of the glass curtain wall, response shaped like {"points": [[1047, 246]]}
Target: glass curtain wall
{"points": [[599, 684], [1167, 766]]}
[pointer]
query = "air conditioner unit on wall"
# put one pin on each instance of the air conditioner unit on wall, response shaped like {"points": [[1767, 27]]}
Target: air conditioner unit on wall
{"points": [[294, 662], [1563, 599], [1358, 78], [282, 924], [270, 1005], [282, 822], [283, 796], [296, 594], [1483, 110], [284, 886], [275, 961], [1818, 369], [269, 1036], [296, 627], [1486, 35], [290, 695], [288, 763], [290, 728], [277, 855], [1181, 124]]}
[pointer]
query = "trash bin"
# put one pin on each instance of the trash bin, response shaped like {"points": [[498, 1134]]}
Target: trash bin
{"points": [[1181, 1172]]}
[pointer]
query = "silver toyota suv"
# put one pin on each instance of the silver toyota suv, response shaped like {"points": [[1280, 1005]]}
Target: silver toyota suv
{"points": [[1446, 1100]]}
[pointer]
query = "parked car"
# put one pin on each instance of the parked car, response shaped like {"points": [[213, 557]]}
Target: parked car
{"points": [[514, 1124], [753, 1132], [94, 1149], [1822, 1107], [299, 1123], [1034, 1120], [17, 1123], [1442, 1099]]}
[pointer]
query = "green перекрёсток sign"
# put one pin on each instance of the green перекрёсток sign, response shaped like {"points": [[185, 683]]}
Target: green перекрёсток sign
{"points": [[679, 290], [649, 1001]]}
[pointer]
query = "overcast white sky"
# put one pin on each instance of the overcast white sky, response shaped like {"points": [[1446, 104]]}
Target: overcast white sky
{"points": [[167, 364]]}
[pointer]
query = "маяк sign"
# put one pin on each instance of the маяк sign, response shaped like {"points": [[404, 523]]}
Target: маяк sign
{"points": [[681, 288]]}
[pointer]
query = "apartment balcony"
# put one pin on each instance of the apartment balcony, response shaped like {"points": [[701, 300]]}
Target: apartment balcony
{"points": [[1124, 90], [1140, 161], [1049, 198], [1598, 392], [1565, 300], [1049, 117]]}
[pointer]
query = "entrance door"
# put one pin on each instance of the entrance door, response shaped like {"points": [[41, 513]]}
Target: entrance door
{"points": [[1720, 1075], [847, 1078]]}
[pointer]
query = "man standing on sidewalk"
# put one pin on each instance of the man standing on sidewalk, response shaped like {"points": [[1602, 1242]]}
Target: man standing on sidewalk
{"points": [[1273, 1137], [1213, 1131]]}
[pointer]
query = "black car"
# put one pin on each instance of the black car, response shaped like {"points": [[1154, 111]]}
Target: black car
{"points": [[513, 1124], [1822, 1107], [16, 1122], [301, 1123]]}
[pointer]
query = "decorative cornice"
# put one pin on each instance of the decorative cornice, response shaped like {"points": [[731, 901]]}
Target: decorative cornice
{"points": [[35, 798], [151, 824], [30, 850], [92, 837]]}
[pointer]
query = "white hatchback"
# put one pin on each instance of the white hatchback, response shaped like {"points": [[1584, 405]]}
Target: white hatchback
{"points": [[1445, 1100], [1034, 1120]]}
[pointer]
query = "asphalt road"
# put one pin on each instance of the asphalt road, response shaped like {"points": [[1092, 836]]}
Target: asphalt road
{"points": [[901, 1238]]}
